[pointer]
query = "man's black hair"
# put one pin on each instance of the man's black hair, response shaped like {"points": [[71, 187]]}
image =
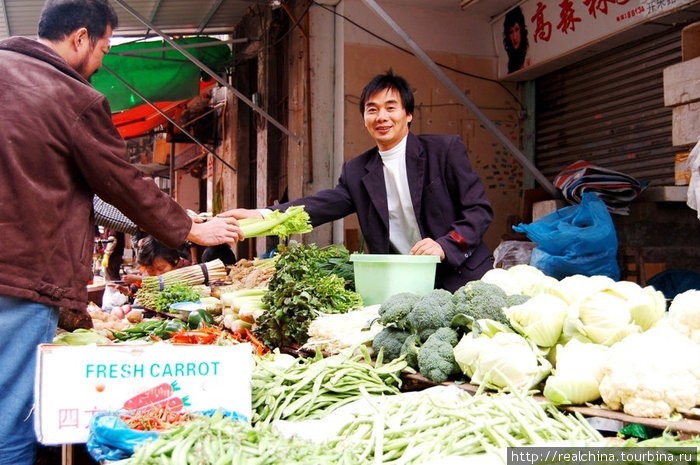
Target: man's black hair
{"points": [[59, 18], [384, 82]]}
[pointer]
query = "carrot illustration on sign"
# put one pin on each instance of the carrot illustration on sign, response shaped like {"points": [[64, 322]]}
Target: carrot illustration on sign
{"points": [[151, 396], [172, 404]]}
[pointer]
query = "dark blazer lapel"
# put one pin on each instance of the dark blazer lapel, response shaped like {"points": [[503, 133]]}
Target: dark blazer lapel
{"points": [[376, 187], [415, 169]]}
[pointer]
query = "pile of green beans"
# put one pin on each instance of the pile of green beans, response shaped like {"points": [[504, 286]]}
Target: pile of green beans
{"points": [[315, 386], [414, 428], [222, 441]]}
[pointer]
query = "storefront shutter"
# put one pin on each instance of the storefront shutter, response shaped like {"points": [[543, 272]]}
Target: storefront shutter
{"points": [[609, 110]]}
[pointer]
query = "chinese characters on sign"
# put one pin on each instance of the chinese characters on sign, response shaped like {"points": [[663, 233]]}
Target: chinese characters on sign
{"points": [[539, 31]]}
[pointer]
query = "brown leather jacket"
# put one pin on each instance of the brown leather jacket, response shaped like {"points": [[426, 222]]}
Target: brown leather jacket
{"points": [[58, 148]]}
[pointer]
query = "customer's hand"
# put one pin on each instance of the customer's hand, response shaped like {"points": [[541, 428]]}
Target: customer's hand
{"points": [[241, 213], [218, 230]]}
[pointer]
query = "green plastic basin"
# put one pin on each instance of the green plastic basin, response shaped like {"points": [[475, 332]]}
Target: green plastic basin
{"points": [[378, 276]]}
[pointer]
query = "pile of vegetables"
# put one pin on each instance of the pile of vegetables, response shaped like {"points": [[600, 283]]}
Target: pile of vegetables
{"points": [[425, 329], [301, 289], [220, 440], [290, 388], [152, 286], [604, 338], [417, 427]]}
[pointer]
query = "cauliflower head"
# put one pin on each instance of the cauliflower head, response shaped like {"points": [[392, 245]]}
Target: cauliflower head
{"points": [[652, 374], [684, 313]]}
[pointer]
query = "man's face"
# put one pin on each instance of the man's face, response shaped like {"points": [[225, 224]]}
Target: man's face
{"points": [[386, 118], [92, 54]]}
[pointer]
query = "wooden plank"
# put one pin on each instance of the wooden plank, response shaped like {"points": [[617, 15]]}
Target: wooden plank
{"points": [[683, 425]]}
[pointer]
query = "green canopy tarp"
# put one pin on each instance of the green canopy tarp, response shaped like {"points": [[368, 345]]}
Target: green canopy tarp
{"points": [[163, 74]]}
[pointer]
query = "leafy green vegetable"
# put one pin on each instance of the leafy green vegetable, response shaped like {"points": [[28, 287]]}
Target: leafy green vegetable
{"points": [[144, 330], [294, 220], [178, 292], [81, 336], [299, 290]]}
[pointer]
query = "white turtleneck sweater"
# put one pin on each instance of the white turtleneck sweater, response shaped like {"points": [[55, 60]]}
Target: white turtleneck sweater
{"points": [[403, 227]]}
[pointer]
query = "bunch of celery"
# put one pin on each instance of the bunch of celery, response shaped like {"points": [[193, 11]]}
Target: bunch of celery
{"points": [[293, 220]]}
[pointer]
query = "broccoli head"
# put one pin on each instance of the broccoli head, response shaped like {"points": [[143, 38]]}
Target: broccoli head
{"points": [[479, 299], [516, 299], [436, 359], [434, 310], [390, 339], [410, 349], [396, 308]]}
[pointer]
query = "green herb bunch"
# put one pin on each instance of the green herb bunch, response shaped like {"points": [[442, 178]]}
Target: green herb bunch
{"points": [[178, 292], [302, 287]]}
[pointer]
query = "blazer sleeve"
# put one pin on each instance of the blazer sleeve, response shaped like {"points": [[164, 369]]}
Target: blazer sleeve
{"points": [[473, 211]]}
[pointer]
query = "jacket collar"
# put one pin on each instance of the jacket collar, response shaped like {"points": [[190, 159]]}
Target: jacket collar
{"points": [[39, 51]]}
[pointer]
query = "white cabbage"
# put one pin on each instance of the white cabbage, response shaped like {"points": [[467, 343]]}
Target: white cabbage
{"points": [[540, 319], [504, 360], [577, 373]]}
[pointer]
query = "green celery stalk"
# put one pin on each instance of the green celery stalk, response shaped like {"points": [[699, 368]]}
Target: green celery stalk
{"points": [[294, 220]]}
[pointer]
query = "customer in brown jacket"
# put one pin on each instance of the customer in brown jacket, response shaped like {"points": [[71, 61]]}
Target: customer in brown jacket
{"points": [[56, 142]]}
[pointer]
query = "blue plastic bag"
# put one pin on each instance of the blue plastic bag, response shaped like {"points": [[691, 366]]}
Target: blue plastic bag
{"points": [[112, 439], [579, 239]]}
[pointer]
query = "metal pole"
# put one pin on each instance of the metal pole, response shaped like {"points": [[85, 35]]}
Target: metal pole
{"points": [[209, 71], [461, 96]]}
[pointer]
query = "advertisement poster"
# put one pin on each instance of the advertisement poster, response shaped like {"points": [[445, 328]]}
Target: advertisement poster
{"points": [[535, 32]]}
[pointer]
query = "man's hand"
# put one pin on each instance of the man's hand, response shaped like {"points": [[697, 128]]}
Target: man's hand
{"points": [[219, 230], [240, 213], [428, 246]]}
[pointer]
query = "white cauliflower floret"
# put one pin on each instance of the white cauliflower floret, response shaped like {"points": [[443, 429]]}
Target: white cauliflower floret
{"points": [[652, 374], [684, 313]]}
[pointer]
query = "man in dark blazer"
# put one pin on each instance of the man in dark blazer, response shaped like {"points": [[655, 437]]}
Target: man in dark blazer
{"points": [[413, 194]]}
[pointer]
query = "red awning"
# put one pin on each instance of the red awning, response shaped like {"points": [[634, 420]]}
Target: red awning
{"points": [[143, 118]]}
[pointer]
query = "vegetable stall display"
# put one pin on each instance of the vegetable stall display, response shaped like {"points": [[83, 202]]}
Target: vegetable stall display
{"points": [[512, 334]]}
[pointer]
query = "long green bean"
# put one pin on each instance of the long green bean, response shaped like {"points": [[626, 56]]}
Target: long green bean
{"points": [[316, 386]]}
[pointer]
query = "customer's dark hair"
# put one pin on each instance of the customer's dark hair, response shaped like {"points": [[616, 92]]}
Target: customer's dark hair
{"points": [[150, 249], [61, 17], [384, 82]]}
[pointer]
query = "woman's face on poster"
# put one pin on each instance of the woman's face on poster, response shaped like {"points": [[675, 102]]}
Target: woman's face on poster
{"points": [[514, 35]]}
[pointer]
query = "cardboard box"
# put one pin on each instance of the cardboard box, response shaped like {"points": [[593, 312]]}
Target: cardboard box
{"points": [[682, 83], [75, 382], [545, 207], [682, 170], [685, 125], [690, 41]]}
